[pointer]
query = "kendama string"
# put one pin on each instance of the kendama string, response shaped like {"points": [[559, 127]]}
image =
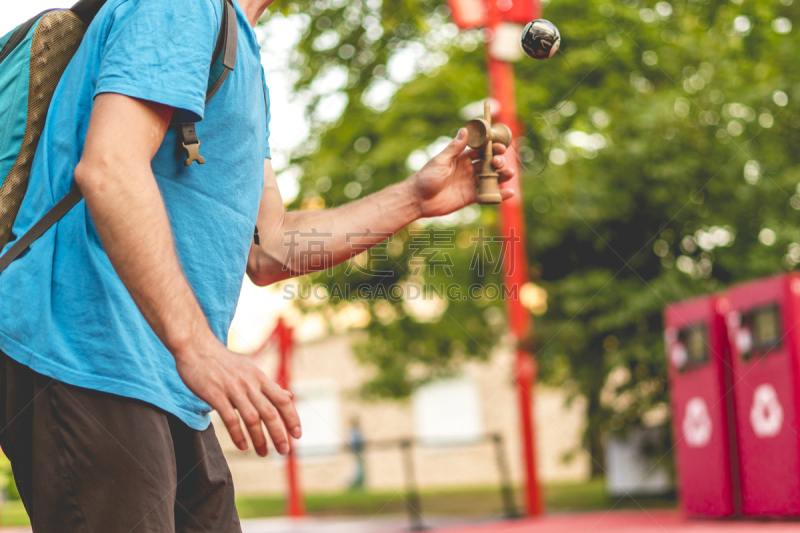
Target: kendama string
{"points": [[541, 116]]}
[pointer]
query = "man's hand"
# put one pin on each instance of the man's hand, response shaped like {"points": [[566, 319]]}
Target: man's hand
{"points": [[447, 182], [231, 382]]}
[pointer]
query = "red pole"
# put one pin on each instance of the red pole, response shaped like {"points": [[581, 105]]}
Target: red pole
{"points": [[512, 223], [294, 501]]}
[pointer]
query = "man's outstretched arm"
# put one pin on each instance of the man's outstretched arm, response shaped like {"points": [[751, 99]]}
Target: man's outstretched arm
{"points": [[447, 183], [127, 209]]}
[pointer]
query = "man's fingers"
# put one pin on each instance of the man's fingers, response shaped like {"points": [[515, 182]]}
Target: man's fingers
{"points": [[282, 400], [275, 428], [252, 421], [506, 174], [456, 146], [231, 421], [498, 162], [507, 193], [272, 420], [497, 149]]}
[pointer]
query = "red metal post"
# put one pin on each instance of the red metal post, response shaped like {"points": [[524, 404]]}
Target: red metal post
{"points": [[501, 81], [294, 500]]}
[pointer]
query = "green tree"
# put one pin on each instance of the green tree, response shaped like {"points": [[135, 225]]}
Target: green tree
{"points": [[672, 172]]}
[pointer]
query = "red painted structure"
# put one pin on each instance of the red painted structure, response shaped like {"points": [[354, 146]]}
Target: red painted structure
{"points": [[282, 335], [698, 359], [764, 329], [477, 13], [492, 13], [512, 221]]}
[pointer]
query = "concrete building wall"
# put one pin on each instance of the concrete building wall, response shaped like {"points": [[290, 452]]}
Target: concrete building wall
{"points": [[326, 378]]}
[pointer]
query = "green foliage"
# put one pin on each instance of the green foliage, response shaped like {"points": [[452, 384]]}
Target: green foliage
{"points": [[9, 487], [673, 172], [688, 101]]}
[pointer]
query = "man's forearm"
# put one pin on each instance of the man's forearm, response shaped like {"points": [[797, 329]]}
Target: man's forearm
{"points": [[345, 231], [134, 228], [291, 243]]}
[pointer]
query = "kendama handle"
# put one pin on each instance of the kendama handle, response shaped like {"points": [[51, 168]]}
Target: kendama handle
{"points": [[488, 187]]}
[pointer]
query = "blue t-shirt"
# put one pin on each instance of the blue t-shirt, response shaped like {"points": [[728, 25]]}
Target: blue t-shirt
{"points": [[63, 310]]}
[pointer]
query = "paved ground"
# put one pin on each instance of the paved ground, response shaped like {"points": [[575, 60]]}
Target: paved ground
{"points": [[596, 522], [340, 525], [628, 522], [321, 525]]}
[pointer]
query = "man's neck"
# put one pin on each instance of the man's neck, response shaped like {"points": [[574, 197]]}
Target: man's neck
{"points": [[254, 9]]}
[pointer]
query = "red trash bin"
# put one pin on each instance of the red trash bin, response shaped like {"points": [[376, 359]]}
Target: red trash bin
{"points": [[698, 370], [764, 333]]}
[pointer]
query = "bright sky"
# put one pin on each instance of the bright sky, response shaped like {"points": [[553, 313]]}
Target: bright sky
{"points": [[12, 14]]}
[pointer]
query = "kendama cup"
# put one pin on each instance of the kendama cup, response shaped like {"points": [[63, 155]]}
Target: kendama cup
{"points": [[482, 134]]}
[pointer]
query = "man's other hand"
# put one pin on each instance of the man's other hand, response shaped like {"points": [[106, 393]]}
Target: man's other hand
{"points": [[448, 181], [231, 383]]}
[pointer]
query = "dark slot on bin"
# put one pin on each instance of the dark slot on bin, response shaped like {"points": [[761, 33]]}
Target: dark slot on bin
{"points": [[759, 332], [693, 342]]}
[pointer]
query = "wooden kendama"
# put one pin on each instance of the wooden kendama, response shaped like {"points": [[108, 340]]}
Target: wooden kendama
{"points": [[482, 134]]}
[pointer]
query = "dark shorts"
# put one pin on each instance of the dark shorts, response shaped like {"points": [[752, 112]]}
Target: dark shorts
{"points": [[88, 461]]}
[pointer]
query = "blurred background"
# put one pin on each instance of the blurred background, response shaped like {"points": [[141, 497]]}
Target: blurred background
{"points": [[669, 133]]}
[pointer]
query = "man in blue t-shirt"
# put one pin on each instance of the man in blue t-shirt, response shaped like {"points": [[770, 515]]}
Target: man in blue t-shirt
{"points": [[113, 324]]}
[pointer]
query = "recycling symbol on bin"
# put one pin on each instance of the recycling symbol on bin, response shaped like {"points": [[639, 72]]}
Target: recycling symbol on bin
{"points": [[766, 415], [696, 423]]}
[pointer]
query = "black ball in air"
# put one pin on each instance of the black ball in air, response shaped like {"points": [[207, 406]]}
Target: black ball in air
{"points": [[540, 39]]}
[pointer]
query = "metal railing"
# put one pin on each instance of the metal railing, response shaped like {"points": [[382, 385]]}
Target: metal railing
{"points": [[412, 493], [413, 500]]}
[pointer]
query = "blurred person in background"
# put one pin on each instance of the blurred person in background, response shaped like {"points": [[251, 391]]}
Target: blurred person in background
{"points": [[357, 446]]}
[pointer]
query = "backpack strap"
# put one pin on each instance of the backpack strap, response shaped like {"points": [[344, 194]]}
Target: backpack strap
{"points": [[224, 54], [222, 63], [51, 217], [224, 59], [87, 9]]}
